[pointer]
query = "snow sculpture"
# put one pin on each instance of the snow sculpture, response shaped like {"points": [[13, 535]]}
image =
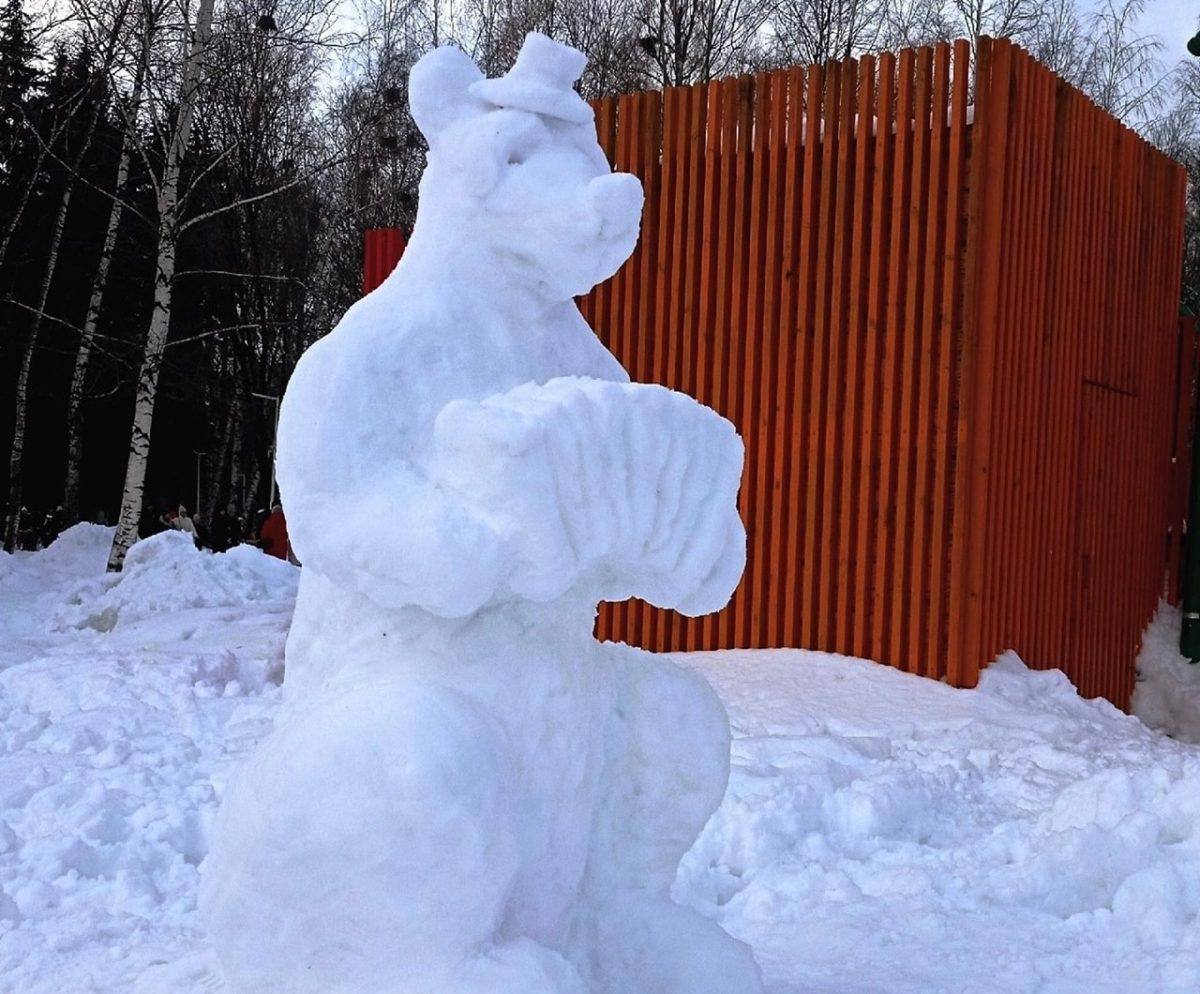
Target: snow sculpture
{"points": [[465, 792]]}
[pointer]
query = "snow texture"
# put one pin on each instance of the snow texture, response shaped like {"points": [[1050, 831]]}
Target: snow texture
{"points": [[166, 572], [881, 834], [465, 793], [1167, 693], [114, 746]]}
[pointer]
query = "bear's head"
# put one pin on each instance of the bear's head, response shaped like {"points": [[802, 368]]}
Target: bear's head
{"points": [[514, 169]]}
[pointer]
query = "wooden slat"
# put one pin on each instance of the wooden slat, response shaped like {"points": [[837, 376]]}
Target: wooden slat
{"points": [[860, 363], [797, 620], [757, 365], [867, 639], [834, 534], [780, 583], [897, 352]]}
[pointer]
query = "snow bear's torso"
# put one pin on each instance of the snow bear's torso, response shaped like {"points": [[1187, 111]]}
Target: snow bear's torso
{"points": [[370, 390]]}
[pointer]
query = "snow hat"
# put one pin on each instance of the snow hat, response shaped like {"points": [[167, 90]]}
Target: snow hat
{"points": [[540, 81]]}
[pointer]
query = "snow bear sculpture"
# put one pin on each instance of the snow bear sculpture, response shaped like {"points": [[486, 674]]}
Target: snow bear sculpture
{"points": [[465, 793]]}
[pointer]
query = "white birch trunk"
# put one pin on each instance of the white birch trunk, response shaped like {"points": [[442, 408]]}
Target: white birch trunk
{"points": [[83, 353], [164, 278]]}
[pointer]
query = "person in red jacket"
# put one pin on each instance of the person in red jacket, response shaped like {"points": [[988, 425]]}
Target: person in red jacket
{"points": [[273, 538]]}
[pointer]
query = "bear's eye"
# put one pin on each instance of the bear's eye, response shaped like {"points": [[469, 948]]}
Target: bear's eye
{"points": [[516, 158]]}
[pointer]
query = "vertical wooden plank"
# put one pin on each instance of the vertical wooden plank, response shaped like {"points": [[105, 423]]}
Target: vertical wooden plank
{"points": [[926, 537], [867, 641], [1089, 328], [1026, 371], [906, 606], [790, 122], [771, 118], [1061, 317], [948, 317], [798, 621], [831, 599], [755, 366], [1037, 490], [858, 399], [821, 344], [890, 551], [976, 361], [1009, 417]]}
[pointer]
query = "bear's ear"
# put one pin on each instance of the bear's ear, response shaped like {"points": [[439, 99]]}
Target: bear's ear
{"points": [[438, 90]]}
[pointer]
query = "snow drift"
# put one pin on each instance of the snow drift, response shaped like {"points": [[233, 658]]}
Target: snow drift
{"points": [[166, 573], [1167, 693]]}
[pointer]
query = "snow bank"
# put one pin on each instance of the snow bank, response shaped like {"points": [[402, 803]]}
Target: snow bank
{"points": [[1167, 693], [79, 551], [167, 573], [114, 747], [884, 832]]}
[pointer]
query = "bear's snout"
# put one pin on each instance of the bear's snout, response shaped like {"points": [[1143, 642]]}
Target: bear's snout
{"points": [[617, 200]]}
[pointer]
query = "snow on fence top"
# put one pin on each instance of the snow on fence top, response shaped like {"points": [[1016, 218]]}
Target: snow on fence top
{"points": [[950, 344]]}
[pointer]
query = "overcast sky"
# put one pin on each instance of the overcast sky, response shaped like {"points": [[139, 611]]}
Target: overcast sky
{"points": [[1174, 21]]}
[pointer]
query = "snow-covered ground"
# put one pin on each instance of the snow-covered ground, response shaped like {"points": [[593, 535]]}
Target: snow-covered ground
{"points": [[882, 834], [1167, 693]]}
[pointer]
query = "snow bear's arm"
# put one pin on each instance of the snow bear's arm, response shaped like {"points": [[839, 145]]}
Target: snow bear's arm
{"points": [[359, 511], [631, 488]]}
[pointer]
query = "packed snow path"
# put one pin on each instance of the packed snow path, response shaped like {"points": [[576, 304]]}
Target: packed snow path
{"points": [[882, 834]]}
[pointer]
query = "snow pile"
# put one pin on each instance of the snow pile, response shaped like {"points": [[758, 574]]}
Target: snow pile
{"points": [[166, 573], [464, 792], [883, 832], [1167, 693], [113, 749], [81, 550]]}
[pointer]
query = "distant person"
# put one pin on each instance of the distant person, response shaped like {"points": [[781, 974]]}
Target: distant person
{"points": [[182, 522], [225, 531], [273, 536], [53, 525], [27, 532]]}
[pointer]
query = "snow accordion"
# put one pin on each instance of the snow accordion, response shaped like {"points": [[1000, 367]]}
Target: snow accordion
{"points": [[465, 793]]}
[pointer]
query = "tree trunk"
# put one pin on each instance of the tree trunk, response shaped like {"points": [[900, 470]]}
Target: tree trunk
{"points": [[164, 278], [16, 457], [83, 353], [224, 483]]}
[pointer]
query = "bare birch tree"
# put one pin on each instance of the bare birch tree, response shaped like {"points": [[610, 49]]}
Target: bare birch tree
{"points": [[83, 352], [192, 78], [307, 23]]}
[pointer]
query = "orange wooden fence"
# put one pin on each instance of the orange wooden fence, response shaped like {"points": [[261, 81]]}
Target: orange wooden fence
{"points": [[940, 306], [382, 248]]}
